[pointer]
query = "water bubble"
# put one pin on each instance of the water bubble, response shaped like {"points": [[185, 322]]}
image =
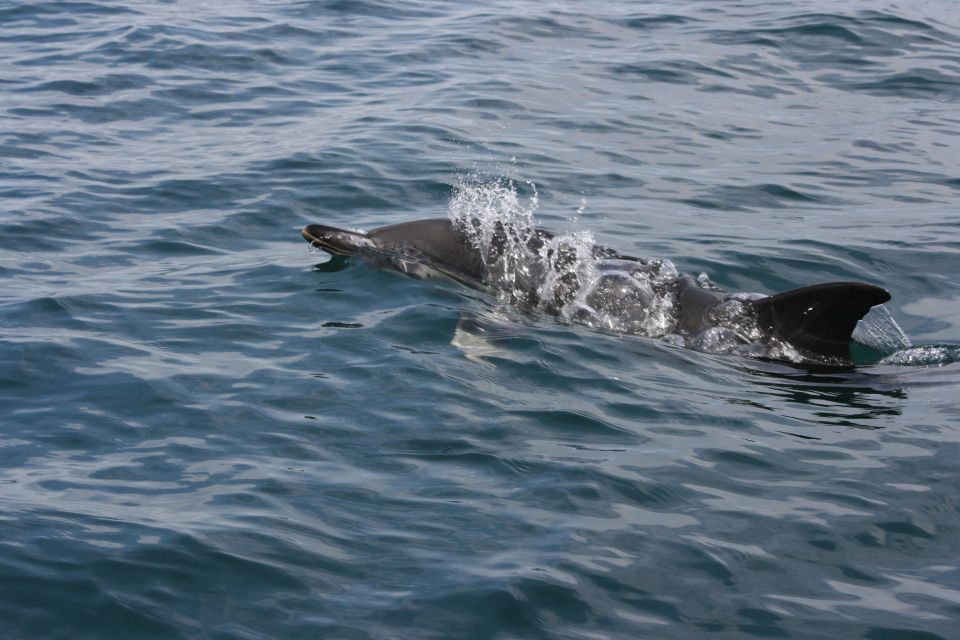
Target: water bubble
{"points": [[715, 340], [736, 315], [661, 271], [674, 339], [582, 314], [623, 302]]}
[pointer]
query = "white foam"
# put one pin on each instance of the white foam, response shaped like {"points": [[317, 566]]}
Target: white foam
{"points": [[562, 275]]}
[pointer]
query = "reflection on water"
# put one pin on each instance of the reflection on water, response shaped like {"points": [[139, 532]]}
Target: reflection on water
{"points": [[850, 399], [334, 264]]}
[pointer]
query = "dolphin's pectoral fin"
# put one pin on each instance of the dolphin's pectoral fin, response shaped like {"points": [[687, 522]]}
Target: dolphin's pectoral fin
{"points": [[470, 338], [821, 318], [477, 337]]}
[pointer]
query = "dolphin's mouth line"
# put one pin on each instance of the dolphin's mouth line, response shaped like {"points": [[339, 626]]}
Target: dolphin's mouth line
{"points": [[318, 243], [337, 242]]}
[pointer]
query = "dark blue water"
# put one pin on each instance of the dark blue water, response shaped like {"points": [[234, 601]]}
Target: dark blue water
{"points": [[206, 436]]}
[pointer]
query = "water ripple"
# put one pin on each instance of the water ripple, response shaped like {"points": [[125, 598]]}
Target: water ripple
{"points": [[211, 432]]}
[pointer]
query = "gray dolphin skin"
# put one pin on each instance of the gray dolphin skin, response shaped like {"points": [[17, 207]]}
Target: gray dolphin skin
{"points": [[817, 320], [422, 248]]}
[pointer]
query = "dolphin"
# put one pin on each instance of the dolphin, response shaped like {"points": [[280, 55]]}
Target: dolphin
{"points": [[816, 320]]}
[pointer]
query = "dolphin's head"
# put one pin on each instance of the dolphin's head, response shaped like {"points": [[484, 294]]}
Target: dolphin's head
{"points": [[338, 242]]}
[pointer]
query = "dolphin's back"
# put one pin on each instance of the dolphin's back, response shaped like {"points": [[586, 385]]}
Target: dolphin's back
{"points": [[436, 240]]}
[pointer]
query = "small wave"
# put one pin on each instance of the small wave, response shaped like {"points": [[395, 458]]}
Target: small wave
{"points": [[916, 83], [759, 196], [671, 71], [649, 22]]}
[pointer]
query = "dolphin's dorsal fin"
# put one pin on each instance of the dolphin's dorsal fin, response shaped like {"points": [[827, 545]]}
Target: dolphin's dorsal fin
{"points": [[820, 318]]}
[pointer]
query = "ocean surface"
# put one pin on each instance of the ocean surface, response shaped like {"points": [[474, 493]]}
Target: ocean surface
{"points": [[211, 431]]}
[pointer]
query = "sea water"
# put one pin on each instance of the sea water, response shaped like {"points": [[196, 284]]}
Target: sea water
{"points": [[209, 431]]}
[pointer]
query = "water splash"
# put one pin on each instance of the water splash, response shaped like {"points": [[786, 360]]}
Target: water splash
{"points": [[628, 297], [485, 203], [570, 276], [879, 331], [523, 264], [925, 355]]}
